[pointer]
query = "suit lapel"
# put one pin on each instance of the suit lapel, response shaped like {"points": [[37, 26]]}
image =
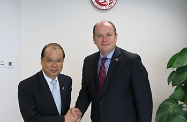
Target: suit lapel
{"points": [[45, 91], [95, 71], [112, 68], [62, 87]]}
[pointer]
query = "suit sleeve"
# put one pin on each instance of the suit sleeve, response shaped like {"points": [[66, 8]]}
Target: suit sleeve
{"points": [[142, 91], [29, 109], [83, 100]]}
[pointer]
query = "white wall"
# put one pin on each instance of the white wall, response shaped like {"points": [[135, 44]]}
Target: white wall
{"points": [[9, 51], [153, 29]]}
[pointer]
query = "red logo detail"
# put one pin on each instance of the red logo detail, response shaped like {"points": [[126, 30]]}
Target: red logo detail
{"points": [[104, 4]]}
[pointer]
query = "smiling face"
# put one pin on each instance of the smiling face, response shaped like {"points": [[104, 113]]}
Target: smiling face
{"points": [[52, 62], [105, 37]]}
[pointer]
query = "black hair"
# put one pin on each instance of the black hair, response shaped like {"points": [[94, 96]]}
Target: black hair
{"points": [[55, 45]]}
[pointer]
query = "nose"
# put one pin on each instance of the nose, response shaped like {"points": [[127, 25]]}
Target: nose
{"points": [[104, 38], [54, 63]]}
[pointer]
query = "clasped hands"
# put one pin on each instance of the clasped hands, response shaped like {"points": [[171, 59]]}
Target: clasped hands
{"points": [[73, 115]]}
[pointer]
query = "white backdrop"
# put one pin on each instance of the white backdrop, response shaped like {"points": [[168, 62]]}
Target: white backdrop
{"points": [[9, 51], [153, 29]]}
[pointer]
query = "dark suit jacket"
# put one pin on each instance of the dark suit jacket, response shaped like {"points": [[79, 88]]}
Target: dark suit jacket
{"points": [[36, 101], [126, 95]]}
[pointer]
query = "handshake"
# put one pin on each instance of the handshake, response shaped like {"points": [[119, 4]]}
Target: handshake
{"points": [[73, 115]]}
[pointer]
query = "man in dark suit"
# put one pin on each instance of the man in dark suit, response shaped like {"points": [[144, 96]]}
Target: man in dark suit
{"points": [[125, 95], [35, 97]]}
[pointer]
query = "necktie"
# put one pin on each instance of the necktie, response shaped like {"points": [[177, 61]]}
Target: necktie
{"points": [[102, 75], [56, 96]]}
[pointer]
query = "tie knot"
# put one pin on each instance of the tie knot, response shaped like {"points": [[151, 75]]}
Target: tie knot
{"points": [[53, 82], [104, 59]]}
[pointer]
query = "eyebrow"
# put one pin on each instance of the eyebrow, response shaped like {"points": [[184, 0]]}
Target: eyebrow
{"points": [[55, 59]]}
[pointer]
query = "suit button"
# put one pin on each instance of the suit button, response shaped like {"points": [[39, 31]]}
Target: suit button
{"points": [[100, 103]]}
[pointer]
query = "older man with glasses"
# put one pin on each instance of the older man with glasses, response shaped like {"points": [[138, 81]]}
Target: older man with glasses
{"points": [[46, 96]]}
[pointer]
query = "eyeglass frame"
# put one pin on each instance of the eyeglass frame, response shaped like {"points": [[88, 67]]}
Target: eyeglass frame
{"points": [[52, 61]]}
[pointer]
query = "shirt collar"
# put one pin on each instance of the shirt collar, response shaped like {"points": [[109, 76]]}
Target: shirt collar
{"points": [[109, 55], [47, 78]]}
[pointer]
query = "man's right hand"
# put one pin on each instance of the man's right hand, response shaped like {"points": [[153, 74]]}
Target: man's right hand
{"points": [[73, 115], [76, 112]]}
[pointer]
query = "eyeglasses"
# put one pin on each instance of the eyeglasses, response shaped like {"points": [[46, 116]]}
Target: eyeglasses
{"points": [[51, 61]]}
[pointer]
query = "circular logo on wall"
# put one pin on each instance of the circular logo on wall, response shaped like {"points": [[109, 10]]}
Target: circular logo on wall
{"points": [[104, 4]]}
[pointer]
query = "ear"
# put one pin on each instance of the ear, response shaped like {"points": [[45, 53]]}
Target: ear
{"points": [[40, 60], [116, 37], [94, 40]]}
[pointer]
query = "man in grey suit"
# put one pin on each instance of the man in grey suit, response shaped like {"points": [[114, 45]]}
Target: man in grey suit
{"points": [[125, 95], [36, 101]]}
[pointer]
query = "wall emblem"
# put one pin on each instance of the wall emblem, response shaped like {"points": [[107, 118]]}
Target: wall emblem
{"points": [[104, 4]]}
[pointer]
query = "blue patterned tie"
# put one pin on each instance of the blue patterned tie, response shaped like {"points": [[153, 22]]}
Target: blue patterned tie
{"points": [[102, 75], [56, 96]]}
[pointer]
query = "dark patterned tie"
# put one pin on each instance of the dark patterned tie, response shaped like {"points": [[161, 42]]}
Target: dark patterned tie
{"points": [[102, 75]]}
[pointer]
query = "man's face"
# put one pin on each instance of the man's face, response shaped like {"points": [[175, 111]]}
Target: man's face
{"points": [[52, 62], [105, 38]]}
